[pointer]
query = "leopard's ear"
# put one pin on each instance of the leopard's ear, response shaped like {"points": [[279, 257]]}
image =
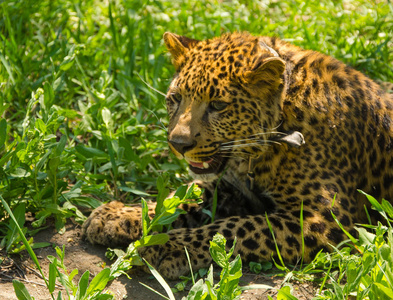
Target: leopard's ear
{"points": [[178, 46], [266, 71]]}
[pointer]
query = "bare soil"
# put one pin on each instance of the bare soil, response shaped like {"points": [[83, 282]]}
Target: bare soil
{"points": [[83, 256]]}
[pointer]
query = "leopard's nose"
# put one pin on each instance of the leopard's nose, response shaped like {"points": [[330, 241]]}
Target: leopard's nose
{"points": [[182, 144]]}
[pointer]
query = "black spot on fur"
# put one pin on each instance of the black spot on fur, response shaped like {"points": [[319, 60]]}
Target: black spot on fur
{"points": [[250, 244], [344, 220], [341, 83], [249, 226], [292, 242], [293, 227], [318, 227], [241, 232], [310, 241], [335, 235], [328, 215], [276, 223]]}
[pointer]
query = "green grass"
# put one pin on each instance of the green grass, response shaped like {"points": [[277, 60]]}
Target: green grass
{"points": [[77, 124]]}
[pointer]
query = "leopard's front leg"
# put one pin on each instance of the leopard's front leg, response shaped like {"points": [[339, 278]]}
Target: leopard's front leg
{"points": [[254, 243], [254, 238]]}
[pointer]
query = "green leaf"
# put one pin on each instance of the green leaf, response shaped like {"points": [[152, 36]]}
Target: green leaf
{"points": [[67, 63], [385, 290], [60, 145], [354, 275], [169, 219], [40, 245], [103, 297], [13, 232], [134, 191], [181, 191], [40, 125], [150, 240], [255, 267], [53, 164], [99, 281], [89, 152], [111, 155], [49, 95], [145, 218], [209, 277], [73, 273], [369, 261], [194, 192], [20, 173], [129, 153], [42, 161], [217, 250], [386, 205], [82, 285], [170, 204], [170, 167], [236, 265], [337, 290], [373, 201], [60, 222], [365, 237], [59, 296], [256, 286], [52, 276], [198, 291], [107, 117], [385, 251], [285, 294], [20, 290], [3, 131]]}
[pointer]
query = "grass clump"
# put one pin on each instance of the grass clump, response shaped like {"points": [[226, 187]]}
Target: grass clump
{"points": [[368, 274]]}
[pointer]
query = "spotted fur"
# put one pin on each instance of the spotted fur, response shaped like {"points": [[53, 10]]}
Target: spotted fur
{"points": [[238, 97]]}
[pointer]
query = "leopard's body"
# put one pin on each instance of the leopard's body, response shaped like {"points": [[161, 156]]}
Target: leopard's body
{"points": [[238, 97]]}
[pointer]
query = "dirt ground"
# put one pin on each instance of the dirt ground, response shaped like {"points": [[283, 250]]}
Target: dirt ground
{"points": [[83, 256]]}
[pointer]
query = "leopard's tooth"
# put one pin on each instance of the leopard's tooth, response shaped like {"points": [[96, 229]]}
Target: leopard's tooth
{"points": [[205, 165]]}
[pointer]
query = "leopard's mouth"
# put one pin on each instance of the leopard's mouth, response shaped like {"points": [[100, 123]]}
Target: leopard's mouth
{"points": [[212, 164]]}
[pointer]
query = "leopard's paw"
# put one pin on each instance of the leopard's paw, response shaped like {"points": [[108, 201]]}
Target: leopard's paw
{"points": [[113, 224]]}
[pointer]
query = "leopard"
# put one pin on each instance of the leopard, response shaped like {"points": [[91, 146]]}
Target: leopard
{"points": [[282, 138]]}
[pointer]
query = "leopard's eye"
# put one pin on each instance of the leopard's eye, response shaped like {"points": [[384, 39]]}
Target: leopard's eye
{"points": [[218, 105], [176, 97]]}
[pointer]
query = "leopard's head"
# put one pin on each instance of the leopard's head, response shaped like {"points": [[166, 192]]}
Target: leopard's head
{"points": [[225, 100]]}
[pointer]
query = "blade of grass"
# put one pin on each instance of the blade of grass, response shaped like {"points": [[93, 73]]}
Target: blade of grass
{"points": [[302, 233], [26, 243], [326, 277], [154, 291], [275, 242], [189, 263], [215, 197], [161, 281]]}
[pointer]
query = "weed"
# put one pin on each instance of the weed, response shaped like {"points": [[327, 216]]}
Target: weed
{"points": [[166, 212], [368, 275]]}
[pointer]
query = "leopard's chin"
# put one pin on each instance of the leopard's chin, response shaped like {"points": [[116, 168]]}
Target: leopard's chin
{"points": [[213, 165]]}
